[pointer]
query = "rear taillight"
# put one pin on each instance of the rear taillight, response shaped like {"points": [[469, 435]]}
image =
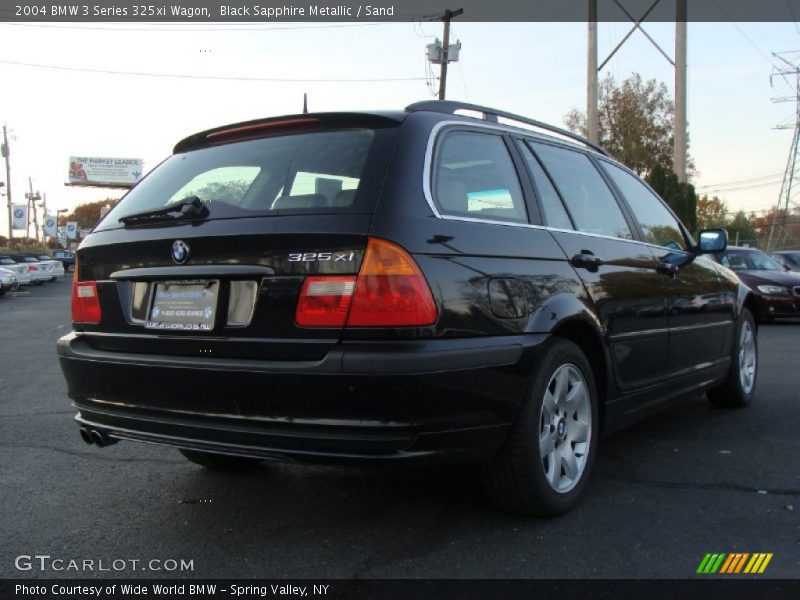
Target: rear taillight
{"points": [[324, 301], [390, 291], [85, 301]]}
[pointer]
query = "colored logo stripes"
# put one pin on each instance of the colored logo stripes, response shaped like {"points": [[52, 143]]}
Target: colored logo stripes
{"points": [[736, 562]]}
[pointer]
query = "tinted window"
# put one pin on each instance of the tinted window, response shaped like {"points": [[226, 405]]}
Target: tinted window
{"points": [[474, 177], [319, 172], [658, 225], [555, 215], [590, 202], [749, 260]]}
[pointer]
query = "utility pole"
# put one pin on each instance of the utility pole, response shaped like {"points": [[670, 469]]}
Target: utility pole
{"points": [[446, 17], [592, 117], [31, 205], [791, 179], [6, 152], [679, 159], [592, 121], [44, 219]]}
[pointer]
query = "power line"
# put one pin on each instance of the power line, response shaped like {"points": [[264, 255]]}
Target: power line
{"points": [[742, 180], [214, 77]]}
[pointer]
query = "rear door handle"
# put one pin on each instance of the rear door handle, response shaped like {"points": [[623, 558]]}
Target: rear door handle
{"points": [[586, 260], [668, 269]]}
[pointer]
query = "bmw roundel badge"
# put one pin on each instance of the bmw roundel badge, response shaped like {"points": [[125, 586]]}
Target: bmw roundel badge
{"points": [[180, 251]]}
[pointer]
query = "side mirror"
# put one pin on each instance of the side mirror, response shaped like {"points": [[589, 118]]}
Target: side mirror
{"points": [[712, 241]]}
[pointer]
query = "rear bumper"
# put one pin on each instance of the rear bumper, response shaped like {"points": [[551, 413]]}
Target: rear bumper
{"points": [[364, 401]]}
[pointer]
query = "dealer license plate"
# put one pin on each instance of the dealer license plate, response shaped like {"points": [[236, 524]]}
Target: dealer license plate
{"points": [[184, 306]]}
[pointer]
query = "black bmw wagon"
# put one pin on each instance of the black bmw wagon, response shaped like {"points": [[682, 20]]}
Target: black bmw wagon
{"points": [[448, 282]]}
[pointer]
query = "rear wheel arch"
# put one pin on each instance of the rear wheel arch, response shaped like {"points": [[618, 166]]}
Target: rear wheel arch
{"points": [[584, 335]]}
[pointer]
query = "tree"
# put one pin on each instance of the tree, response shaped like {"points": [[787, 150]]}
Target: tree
{"points": [[711, 212], [680, 196], [741, 229], [86, 214], [636, 122]]}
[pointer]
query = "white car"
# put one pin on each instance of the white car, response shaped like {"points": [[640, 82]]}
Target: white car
{"points": [[56, 266], [38, 270], [20, 270], [8, 281]]}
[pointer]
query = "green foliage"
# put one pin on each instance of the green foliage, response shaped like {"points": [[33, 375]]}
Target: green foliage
{"points": [[681, 197], [743, 226], [636, 122], [87, 215], [711, 212]]}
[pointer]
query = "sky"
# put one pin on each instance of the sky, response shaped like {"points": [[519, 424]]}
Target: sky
{"points": [[534, 69]]}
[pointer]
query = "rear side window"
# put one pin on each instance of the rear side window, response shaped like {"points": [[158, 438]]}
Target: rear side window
{"points": [[307, 172], [555, 215], [588, 198], [659, 227], [474, 177]]}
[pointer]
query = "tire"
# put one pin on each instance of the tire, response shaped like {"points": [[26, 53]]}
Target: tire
{"points": [[39, 282], [220, 462], [740, 386], [519, 477]]}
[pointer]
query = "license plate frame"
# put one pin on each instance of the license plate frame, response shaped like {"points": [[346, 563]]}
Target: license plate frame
{"points": [[183, 305]]}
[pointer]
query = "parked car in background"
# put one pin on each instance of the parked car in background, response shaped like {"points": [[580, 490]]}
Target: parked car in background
{"points": [[38, 270], [8, 281], [20, 269], [66, 257], [790, 259], [56, 266], [776, 289]]}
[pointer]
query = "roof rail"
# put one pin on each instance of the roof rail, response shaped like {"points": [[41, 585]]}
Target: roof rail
{"points": [[492, 115]]}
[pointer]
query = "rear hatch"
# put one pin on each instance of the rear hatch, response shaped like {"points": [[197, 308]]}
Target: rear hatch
{"points": [[208, 255]]}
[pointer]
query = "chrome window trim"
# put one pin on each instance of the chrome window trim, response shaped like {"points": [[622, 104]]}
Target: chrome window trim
{"points": [[427, 172]]}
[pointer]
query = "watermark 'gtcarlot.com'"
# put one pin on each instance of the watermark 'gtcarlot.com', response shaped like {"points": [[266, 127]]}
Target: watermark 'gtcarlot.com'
{"points": [[48, 563]]}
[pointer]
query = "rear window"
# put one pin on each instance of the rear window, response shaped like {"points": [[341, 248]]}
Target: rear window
{"points": [[310, 172], [7, 261]]}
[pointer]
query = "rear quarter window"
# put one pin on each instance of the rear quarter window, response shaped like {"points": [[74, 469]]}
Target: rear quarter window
{"points": [[475, 177]]}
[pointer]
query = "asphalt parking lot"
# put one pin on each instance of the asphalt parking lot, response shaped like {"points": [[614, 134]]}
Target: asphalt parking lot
{"points": [[690, 481]]}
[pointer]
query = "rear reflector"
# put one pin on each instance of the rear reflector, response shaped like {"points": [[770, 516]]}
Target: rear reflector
{"points": [[85, 302], [324, 301], [391, 290]]}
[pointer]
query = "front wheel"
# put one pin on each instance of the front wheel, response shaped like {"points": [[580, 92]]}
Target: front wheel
{"points": [[544, 464], [740, 386], [220, 462]]}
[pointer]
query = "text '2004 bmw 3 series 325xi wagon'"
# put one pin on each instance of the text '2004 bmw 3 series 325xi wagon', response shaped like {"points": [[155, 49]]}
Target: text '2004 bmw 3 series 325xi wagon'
{"points": [[399, 286]]}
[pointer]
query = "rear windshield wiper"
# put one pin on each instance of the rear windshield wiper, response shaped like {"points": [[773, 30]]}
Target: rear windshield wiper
{"points": [[190, 207]]}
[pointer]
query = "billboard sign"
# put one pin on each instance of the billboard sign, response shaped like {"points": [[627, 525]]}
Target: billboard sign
{"points": [[72, 230], [50, 226], [104, 171], [19, 216]]}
